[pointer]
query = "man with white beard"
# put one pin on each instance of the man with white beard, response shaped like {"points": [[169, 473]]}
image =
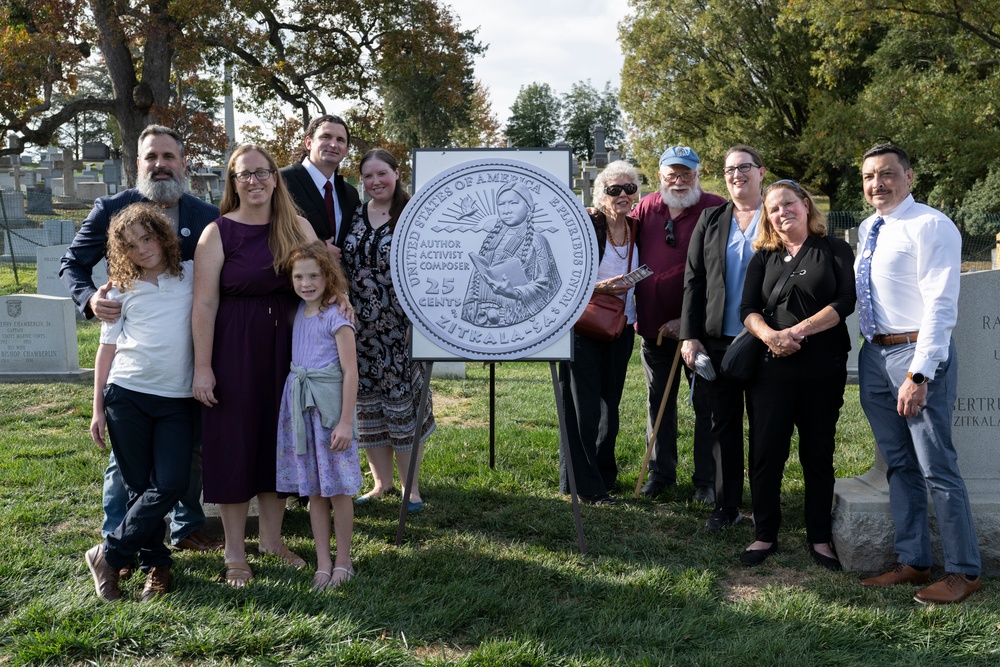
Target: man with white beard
{"points": [[666, 220], [161, 181]]}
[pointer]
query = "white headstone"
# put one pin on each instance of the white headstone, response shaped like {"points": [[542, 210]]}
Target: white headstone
{"points": [[49, 283], [38, 339], [91, 190]]}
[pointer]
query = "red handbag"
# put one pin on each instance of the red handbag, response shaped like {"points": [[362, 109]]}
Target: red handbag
{"points": [[604, 317]]}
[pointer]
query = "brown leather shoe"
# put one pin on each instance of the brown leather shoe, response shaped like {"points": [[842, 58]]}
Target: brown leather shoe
{"points": [[898, 574], [157, 583], [950, 588], [125, 573], [199, 541], [105, 576]]}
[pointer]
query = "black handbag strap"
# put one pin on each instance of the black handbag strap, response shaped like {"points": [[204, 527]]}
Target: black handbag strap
{"points": [[785, 275]]}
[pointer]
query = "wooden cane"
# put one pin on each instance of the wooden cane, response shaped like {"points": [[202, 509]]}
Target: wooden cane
{"points": [[659, 416]]}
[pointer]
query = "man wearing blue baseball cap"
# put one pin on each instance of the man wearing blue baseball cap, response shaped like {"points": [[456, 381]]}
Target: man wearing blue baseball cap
{"points": [[666, 220]]}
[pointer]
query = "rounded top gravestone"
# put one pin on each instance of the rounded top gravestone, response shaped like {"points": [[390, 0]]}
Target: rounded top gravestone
{"points": [[494, 259]]}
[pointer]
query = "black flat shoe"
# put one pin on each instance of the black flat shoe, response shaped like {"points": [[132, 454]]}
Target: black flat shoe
{"points": [[825, 561], [753, 557], [654, 487], [604, 500]]}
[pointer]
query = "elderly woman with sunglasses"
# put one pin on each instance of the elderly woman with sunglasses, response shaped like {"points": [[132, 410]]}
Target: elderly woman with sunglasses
{"points": [[799, 382], [592, 383]]}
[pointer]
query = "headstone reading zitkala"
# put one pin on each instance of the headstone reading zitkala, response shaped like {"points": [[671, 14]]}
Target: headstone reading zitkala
{"points": [[862, 522], [38, 339]]}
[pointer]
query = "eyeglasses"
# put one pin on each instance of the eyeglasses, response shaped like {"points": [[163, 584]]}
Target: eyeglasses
{"points": [[668, 227], [742, 168], [784, 180], [615, 190], [686, 177], [261, 174]]}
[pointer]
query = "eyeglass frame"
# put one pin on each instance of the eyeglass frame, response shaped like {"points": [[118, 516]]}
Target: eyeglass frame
{"points": [[684, 178], [244, 176], [742, 167], [668, 228], [627, 188]]}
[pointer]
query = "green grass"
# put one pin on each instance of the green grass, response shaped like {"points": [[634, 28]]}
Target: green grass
{"points": [[489, 573]]}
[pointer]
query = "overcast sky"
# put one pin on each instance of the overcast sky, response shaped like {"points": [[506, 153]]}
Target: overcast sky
{"points": [[558, 42]]}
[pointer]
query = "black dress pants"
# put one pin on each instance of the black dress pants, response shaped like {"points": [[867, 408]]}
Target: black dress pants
{"points": [[808, 394], [591, 387]]}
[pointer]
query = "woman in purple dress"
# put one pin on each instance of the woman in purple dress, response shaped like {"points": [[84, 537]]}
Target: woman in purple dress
{"points": [[241, 324]]}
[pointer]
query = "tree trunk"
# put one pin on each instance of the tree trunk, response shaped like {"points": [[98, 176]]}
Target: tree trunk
{"points": [[134, 100]]}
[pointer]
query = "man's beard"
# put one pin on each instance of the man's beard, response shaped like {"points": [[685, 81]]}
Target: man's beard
{"points": [[161, 191], [687, 200]]}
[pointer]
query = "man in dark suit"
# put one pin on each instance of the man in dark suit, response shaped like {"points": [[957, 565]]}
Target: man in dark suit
{"points": [[717, 260], [160, 180], [325, 199]]}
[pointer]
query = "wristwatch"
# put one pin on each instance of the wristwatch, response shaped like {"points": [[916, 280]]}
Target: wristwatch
{"points": [[917, 378]]}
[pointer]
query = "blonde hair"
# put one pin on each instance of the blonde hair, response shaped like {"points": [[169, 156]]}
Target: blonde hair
{"points": [[333, 274], [767, 237], [285, 232], [121, 269]]}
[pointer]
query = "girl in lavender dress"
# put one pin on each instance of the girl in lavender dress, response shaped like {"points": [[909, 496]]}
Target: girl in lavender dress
{"points": [[317, 436]]}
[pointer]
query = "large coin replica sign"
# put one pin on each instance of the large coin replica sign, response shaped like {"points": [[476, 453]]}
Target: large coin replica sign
{"points": [[494, 259]]}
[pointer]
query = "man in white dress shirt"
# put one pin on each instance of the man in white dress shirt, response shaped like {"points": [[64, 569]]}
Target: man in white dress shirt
{"points": [[907, 280]]}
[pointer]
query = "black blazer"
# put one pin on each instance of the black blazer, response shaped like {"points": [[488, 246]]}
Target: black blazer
{"points": [[705, 275], [90, 243], [310, 203]]}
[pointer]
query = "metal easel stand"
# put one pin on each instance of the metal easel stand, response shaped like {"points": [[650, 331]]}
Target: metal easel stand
{"points": [[563, 442]]}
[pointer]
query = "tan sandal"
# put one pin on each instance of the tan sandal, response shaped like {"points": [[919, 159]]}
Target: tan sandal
{"points": [[334, 583], [238, 574], [286, 554], [320, 580]]}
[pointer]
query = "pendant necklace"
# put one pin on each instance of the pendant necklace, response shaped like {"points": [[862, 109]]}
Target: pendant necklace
{"points": [[615, 246]]}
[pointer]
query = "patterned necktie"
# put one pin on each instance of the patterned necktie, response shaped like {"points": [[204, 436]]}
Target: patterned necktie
{"points": [[328, 200], [863, 285]]}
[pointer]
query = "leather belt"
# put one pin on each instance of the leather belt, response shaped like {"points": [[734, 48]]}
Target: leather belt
{"points": [[896, 338]]}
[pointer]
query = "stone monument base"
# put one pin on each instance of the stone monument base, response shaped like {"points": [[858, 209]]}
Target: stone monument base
{"points": [[863, 527], [78, 375]]}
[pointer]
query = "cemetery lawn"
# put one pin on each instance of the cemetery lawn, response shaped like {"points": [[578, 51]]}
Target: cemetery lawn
{"points": [[489, 573]]}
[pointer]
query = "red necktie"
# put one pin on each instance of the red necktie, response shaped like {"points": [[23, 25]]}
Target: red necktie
{"points": [[328, 199]]}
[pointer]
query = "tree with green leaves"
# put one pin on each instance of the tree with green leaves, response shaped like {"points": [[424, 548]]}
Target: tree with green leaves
{"points": [[714, 74], [483, 129], [928, 74], [584, 107], [535, 117], [280, 54]]}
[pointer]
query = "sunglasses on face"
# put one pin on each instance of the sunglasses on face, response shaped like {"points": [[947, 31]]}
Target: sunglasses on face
{"points": [[668, 228], [615, 190]]}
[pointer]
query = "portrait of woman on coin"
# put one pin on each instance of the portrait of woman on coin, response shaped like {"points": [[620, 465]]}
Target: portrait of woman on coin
{"points": [[515, 272]]}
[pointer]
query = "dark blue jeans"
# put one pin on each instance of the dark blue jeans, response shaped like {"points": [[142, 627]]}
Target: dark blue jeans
{"points": [[152, 438]]}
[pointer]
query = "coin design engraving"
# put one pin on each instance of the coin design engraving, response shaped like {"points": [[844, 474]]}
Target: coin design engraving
{"points": [[494, 259]]}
